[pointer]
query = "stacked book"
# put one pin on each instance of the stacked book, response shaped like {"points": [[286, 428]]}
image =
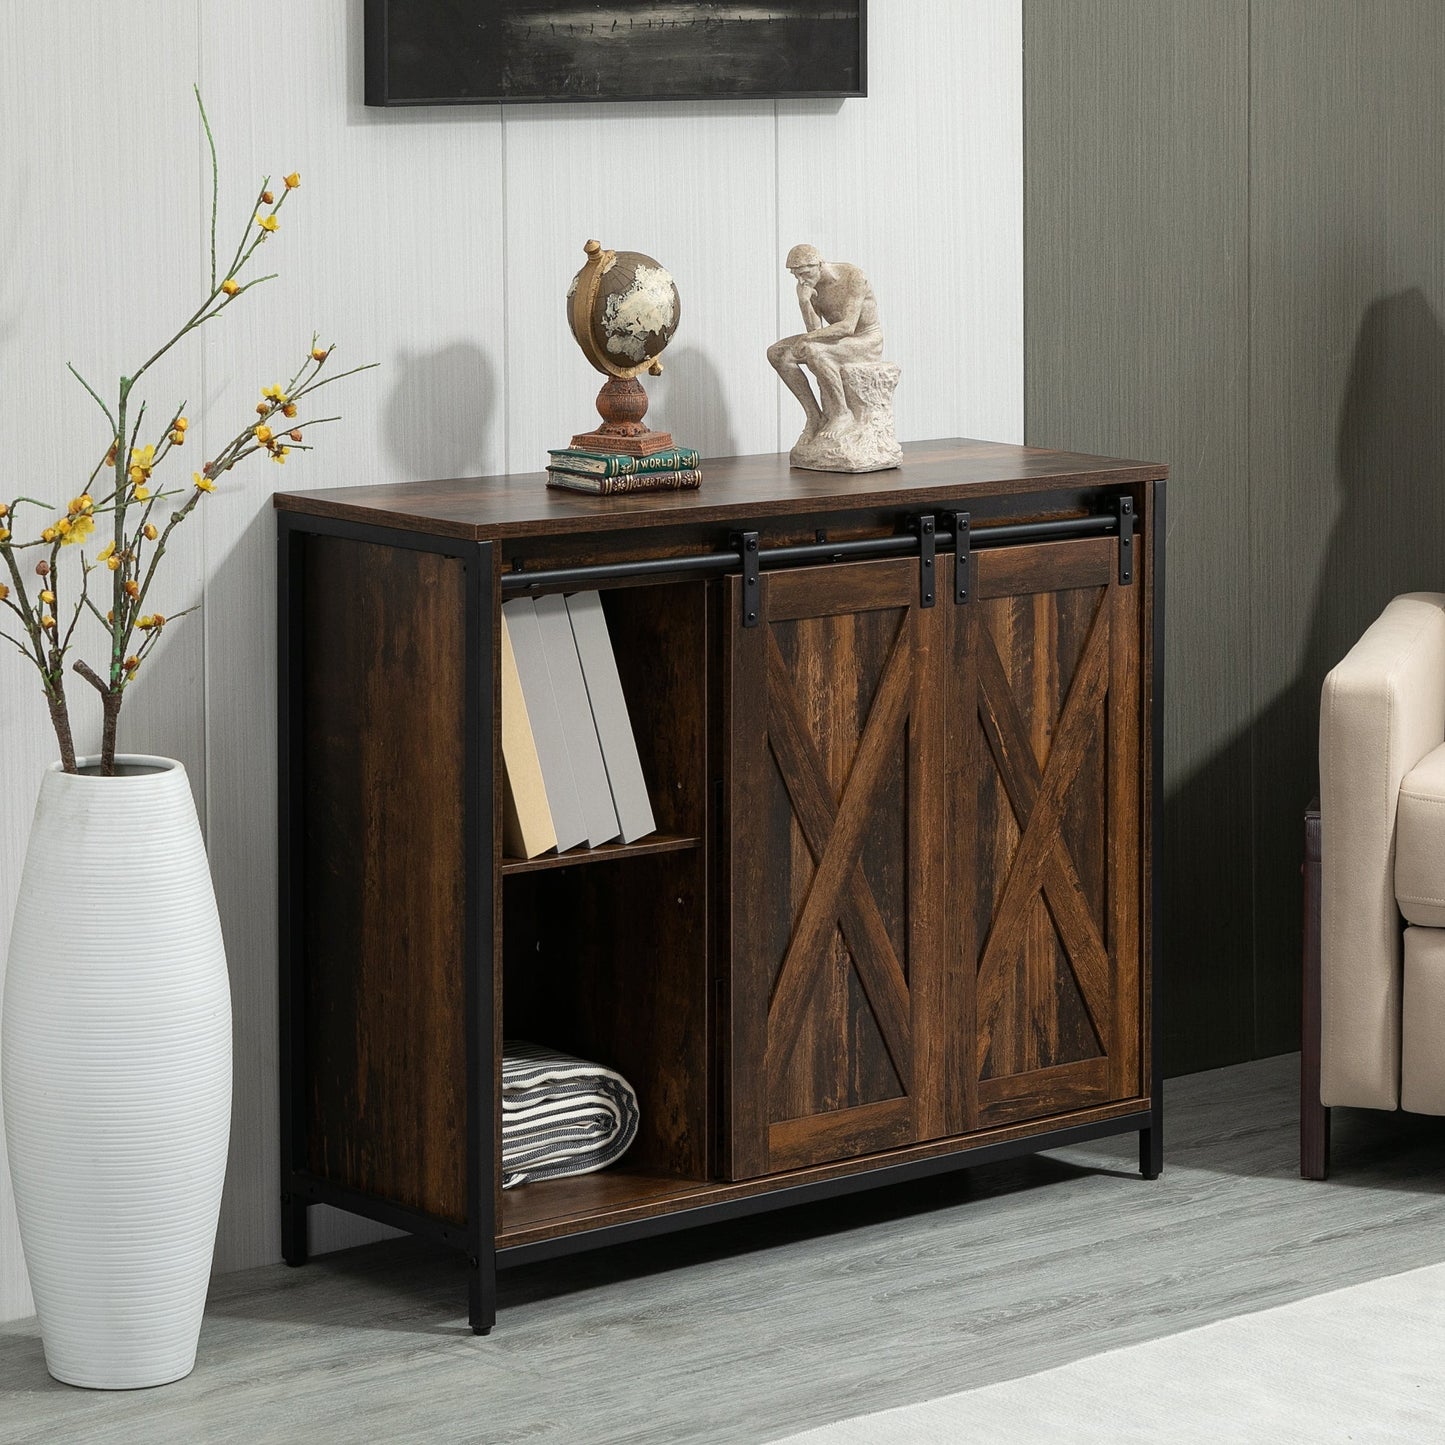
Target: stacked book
{"points": [[573, 775], [674, 470]]}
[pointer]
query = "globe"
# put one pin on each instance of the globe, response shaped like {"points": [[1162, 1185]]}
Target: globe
{"points": [[623, 309]]}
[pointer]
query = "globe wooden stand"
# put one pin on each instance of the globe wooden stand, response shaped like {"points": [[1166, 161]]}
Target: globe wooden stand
{"points": [[622, 405]]}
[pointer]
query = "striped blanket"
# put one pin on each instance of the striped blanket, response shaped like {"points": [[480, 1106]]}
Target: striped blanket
{"points": [[561, 1115]]}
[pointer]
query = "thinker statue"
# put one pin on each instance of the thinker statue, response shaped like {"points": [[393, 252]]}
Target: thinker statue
{"points": [[848, 424]]}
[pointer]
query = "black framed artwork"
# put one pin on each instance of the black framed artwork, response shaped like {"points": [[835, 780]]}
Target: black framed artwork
{"points": [[459, 52]]}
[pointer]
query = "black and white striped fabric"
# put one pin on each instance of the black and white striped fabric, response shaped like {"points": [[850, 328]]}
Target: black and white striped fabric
{"points": [[561, 1115]]}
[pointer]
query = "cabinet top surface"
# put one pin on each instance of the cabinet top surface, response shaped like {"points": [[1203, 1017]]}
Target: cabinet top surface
{"points": [[733, 489]]}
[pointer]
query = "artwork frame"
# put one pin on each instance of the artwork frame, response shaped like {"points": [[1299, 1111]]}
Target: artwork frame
{"points": [[485, 64]]}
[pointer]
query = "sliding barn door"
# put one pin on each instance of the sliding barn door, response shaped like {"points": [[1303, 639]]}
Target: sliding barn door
{"points": [[1045, 749], [838, 927]]}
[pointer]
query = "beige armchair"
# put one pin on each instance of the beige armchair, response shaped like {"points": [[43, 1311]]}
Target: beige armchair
{"points": [[1374, 986]]}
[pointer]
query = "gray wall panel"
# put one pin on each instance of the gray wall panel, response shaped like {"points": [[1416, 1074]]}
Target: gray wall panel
{"points": [[1346, 448], [1287, 357], [1136, 344]]}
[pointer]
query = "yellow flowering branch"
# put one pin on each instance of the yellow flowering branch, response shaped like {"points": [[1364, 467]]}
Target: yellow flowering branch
{"points": [[48, 615]]}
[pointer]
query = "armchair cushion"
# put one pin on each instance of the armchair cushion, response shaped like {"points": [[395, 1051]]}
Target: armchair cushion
{"points": [[1422, 1058], [1382, 710], [1420, 842]]}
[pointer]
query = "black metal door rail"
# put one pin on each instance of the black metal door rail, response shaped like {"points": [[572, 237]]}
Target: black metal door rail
{"points": [[920, 537]]}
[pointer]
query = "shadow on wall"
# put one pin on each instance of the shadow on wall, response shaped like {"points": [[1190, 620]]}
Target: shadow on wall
{"points": [[439, 411], [1388, 537], [688, 401]]}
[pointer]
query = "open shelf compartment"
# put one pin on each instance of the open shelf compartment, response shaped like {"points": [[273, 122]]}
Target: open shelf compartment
{"points": [[611, 964]]}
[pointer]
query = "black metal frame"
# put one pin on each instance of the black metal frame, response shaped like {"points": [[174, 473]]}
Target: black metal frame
{"points": [[477, 1238], [375, 43], [1151, 1139], [300, 1188]]}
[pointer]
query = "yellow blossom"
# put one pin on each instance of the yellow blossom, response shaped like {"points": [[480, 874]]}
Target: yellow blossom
{"points": [[293, 180], [142, 460], [203, 484], [320, 353], [278, 454], [276, 395], [47, 596], [82, 503], [262, 434], [106, 551], [132, 588], [48, 535], [4, 592], [47, 622], [4, 509], [145, 623], [178, 438], [150, 531], [62, 528], [113, 563], [78, 530], [142, 494], [181, 423], [230, 287], [267, 223], [4, 534]]}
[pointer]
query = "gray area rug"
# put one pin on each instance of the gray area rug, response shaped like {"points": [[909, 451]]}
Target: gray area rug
{"points": [[1363, 1364]]}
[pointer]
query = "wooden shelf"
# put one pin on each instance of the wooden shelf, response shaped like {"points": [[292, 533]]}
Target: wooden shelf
{"points": [[563, 1206], [657, 843]]}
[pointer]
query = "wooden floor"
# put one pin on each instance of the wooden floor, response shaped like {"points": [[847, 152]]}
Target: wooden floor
{"points": [[749, 1331]]}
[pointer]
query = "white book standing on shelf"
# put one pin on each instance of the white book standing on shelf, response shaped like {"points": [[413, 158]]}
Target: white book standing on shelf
{"points": [[583, 748], [546, 719], [526, 819], [609, 714]]}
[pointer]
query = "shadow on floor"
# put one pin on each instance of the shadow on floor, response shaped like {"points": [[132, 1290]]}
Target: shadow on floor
{"points": [[1258, 1136], [414, 1286]]}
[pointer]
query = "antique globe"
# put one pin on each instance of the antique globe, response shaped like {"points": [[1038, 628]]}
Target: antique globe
{"points": [[623, 309]]}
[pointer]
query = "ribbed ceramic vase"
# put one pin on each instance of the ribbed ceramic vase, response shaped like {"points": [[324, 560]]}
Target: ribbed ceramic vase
{"points": [[115, 1061]]}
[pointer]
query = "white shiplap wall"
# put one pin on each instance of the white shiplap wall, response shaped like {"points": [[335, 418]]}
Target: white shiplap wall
{"points": [[438, 242]]}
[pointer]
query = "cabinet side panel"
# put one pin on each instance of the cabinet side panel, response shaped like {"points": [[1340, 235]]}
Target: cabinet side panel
{"points": [[383, 858]]}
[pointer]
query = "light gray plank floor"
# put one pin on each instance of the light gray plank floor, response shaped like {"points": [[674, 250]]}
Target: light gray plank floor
{"points": [[748, 1331]]}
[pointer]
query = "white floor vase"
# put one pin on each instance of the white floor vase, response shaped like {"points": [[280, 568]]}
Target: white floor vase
{"points": [[115, 1061]]}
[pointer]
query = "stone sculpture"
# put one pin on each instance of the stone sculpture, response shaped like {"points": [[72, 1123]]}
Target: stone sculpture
{"points": [[848, 424]]}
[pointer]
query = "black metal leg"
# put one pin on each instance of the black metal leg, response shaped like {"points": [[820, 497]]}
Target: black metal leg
{"points": [[482, 1291], [1151, 1149], [293, 1229]]}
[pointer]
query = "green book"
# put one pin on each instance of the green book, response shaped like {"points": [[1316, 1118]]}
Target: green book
{"points": [[616, 464], [677, 480]]}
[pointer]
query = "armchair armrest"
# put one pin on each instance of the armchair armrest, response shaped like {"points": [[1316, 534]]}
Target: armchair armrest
{"points": [[1381, 711]]}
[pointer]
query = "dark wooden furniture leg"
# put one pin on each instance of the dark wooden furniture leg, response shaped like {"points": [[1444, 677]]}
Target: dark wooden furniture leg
{"points": [[1314, 1118]]}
